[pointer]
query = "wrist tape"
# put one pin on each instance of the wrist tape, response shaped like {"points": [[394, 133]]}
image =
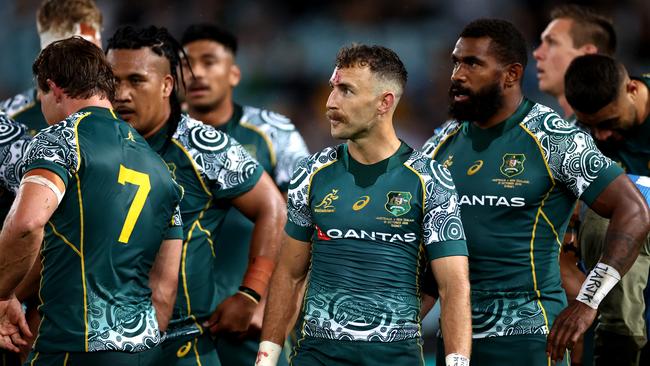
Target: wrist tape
{"points": [[599, 282], [268, 354], [455, 359]]}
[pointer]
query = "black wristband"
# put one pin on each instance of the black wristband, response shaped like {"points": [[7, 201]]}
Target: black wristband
{"points": [[250, 292]]}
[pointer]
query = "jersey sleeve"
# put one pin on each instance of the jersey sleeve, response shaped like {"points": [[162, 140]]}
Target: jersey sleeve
{"points": [[444, 235], [55, 149], [439, 135], [575, 160], [300, 225], [291, 149], [14, 140], [234, 172]]}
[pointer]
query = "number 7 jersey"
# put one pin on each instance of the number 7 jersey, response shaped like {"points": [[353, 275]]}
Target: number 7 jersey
{"points": [[120, 203]]}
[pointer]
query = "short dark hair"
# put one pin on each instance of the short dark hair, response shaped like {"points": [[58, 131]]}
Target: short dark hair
{"points": [[382, 61], [212, 32], [62, 15], [78, 67], [588, 27], [507, 42], [160, 42], [593, 81]]}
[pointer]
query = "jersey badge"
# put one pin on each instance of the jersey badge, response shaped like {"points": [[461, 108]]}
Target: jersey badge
{"points": [[361, 203], [326, 205], [475, 167], [398, 203], [448, 162], [513, 164]]}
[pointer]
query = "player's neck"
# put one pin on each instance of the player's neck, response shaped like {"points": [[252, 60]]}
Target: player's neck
{"points": [[375, 147], [566, 107], [510, 104], [643, 104], [217, 116], [74, 105]]}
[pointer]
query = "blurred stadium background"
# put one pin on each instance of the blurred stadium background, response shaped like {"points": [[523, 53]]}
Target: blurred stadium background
{"points": [[287, 48]]}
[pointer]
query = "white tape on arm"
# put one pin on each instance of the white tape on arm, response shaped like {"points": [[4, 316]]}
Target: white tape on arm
{"points": [[455, 359], [599, 282], [268, 354], [41, 180]]}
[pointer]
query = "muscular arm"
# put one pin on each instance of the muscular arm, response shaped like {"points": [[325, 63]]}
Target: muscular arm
{"points": [[629, 223], [452, 276], [163, 280], [22, 233], [286, 286]]}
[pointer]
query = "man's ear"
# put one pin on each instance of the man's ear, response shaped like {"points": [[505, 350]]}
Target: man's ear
{"points": [[387, 102], [234, 75], [57, 92], [513, 74], [168, 85]]}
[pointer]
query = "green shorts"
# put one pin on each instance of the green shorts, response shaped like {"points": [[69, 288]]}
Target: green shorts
{"points": [[327, 352], [103, 358], [528, 350], [198, 351]]}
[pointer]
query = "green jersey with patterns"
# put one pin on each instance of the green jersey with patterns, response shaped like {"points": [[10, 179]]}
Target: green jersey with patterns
{"points": [[633, 153], [25, 108], [212, 168], [275, 143], [518, 183], [13, 143], [120, 203], [370, 239]]}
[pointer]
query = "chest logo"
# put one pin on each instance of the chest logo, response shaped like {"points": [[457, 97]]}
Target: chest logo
{"points": [[475, 167], [326, 205], [361, 203], [448, 162], [398, 203], [513, 164]]}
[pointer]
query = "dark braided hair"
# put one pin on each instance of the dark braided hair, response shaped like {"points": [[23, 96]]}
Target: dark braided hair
{"points": [[162, 43]]}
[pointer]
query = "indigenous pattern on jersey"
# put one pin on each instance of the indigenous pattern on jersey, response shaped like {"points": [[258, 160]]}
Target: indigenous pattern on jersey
{"points": [[25, 108], [276, 144], [368, 243], [13, 143], [212, 168], [633, 153], [518, 183], [101, 242]]}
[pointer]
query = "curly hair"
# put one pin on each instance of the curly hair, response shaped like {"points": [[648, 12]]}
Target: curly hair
{"points": [[382, 61]]}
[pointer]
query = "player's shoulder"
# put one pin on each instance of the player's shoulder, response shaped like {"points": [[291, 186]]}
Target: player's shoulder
{"points": [[440, 134], [266, 120], [429, 170], [196, 135], [19, 102], [313, 163], [543, 120], [10, 130]]}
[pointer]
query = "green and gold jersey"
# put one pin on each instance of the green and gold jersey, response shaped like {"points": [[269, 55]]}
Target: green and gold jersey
{"points": [[120, 203], [13, 143], [212, 168], [633, 153], [518, 183], [369, 240], [25, 108], [275, 143]]}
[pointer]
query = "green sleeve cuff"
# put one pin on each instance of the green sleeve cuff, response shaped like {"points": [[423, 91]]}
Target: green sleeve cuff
{"points": [[48, 165], [242, 188], [447, 249], [298, 232], [597, 186], [174, 232]]}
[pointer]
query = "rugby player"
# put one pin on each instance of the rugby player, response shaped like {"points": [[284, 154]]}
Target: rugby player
{"points": [[616, 108], [519, 169], [364, 218], [269, 137], [55, 20], [105, 208], [216, 173]]}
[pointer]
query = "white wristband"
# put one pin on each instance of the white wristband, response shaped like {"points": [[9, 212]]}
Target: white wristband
{"points": [[599, 282], [41, 180], [455, 359], [268, 354]]}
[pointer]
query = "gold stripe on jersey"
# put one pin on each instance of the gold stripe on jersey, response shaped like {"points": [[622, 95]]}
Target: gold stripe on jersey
{"points": [[311, 177], [65, 360], [112, 113], [424, 189], [539, 212], [83, 264], [65, 240], [196, 171], [196, 352], [34, 360], [557, 237], [268, 141], [76, 139], [207, 233], [435, 151]]}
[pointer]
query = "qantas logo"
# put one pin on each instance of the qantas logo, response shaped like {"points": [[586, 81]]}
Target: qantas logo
{"points": [[492, 201], [371, 235]]}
